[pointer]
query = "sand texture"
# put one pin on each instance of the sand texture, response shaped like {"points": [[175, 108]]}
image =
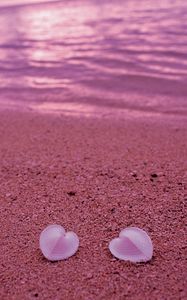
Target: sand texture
{"points": [[94, 177]]}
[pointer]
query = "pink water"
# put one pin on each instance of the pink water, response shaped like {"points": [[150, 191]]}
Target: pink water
{"points": [[83, 55]]}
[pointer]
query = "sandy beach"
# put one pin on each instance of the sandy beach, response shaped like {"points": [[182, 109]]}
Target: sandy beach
{"points": [[95, 178], [93, 137]]}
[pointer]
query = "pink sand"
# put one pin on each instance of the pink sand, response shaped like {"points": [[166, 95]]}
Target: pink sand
{"points": [[94, 178]]}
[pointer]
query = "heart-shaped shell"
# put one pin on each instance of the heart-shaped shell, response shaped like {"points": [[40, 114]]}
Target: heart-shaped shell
{"points": [[133, 244], [56, 244]]}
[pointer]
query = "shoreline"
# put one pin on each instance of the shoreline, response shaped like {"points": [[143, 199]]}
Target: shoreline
{"points": [[108, 165]]}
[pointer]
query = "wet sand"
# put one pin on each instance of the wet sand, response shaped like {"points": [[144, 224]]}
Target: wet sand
{"points": [[95, 178]]}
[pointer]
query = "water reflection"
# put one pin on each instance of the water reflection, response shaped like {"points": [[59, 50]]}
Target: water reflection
{"points": [[94, 47], [55, 39]]}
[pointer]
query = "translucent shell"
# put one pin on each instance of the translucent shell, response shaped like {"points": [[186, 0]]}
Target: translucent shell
{"points": [[133, 244], [57, 244]]}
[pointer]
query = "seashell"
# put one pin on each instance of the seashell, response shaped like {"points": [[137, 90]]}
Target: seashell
{"points": [[57, 244], [133, 244]]}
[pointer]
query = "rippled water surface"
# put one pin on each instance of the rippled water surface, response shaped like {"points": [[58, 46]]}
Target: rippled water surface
{"points": [[121, 54]]}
